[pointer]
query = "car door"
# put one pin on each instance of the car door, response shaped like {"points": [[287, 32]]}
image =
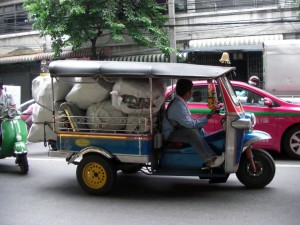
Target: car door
{"points": [[266, 117]]}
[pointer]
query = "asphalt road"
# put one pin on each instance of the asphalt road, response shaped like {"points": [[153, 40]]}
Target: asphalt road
{"points": [[50, 195]]}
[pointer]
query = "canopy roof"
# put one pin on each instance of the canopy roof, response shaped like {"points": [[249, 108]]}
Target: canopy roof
{"points": [[73, 68]]}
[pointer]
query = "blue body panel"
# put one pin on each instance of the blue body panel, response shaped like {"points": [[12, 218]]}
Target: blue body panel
{"points": [[187, 158], [181, 158], [115, 144]]}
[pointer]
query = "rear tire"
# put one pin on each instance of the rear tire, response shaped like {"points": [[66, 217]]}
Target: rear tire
{"points": [[265, 170], [96, 175], [291, 143]]}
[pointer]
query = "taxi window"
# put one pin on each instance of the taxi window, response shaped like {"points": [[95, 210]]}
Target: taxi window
{"points": [[199, 94], [230, 90], [248, 97]]}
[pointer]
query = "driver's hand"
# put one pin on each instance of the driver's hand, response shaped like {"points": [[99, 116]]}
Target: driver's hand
{"points": [[212, 112]]}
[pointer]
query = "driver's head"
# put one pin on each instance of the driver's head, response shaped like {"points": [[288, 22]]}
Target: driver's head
{"points": [[183, 86], [254, 81]]}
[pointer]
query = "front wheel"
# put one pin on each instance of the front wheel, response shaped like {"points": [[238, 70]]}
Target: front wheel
{"points": [[22, 161], [265, 169], [96, 175]]}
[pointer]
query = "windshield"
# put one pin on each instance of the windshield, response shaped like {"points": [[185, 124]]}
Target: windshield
{"points": [[230, 90]]}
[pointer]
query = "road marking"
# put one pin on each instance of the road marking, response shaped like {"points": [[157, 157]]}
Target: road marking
{"points": [[287, 165], [47, 159], [40, 159]]}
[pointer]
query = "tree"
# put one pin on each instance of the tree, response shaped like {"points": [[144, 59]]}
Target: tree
{"points": [[75, 22]]}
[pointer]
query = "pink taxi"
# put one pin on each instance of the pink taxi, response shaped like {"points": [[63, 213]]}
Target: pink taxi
{"points": [[279, 118]]}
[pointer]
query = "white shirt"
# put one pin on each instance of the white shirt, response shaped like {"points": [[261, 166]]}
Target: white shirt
{"points": [[6, 100]]}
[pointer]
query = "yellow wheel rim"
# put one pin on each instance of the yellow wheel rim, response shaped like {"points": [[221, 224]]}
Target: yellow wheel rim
{"points": [[94, 175]]}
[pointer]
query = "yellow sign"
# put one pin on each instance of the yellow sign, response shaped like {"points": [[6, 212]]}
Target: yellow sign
{"points": [[82, 142], [44, 74]]}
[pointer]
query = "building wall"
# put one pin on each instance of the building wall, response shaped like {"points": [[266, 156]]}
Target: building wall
{"points": [[232, 23]]}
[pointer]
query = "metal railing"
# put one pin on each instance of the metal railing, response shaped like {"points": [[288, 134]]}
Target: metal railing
{"points": [[128, 125]]}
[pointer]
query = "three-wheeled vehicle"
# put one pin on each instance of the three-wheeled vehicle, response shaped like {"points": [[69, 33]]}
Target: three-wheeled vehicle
{"points": [[101, 144]]}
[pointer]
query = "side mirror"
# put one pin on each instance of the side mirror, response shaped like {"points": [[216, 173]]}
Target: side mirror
{"points": [[268, 102]]}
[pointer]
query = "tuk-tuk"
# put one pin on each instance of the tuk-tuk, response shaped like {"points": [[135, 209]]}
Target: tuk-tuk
{"points": [[101, 143]]}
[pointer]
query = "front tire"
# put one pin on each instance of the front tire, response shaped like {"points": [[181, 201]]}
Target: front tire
{"points": [[291, 143], [265, 167], [22, 161], [96, 175]]}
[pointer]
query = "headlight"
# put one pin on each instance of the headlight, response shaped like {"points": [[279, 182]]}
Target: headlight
{"points": [[244, 124], [12, 112], [252, 118], [19, 138]]}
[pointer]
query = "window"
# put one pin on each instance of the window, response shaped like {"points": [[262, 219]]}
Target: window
{"points": [[218, 5], [13, 19], [199, 94], [9, 9], [248, 97], [180, 5], [19, 8]]}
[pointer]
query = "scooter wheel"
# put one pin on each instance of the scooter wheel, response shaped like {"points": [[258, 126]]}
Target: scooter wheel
{"points": [[24, 166], [96, 175]]}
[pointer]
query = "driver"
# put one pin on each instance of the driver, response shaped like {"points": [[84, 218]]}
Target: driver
{"points": [[6, 100], [179, 126]]}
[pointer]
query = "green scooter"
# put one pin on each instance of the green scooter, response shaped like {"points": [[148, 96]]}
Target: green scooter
{"points": [[13, 138]]}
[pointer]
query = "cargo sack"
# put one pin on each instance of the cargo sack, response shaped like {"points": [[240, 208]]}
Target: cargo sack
{"points": [[104, 117], [132, 96], [42, 127], [42, 120], [42, 90], [85, 94]]}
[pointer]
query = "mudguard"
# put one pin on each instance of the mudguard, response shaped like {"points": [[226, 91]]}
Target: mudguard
{"points": [[254, 136], [90, 149], [20, 147]]}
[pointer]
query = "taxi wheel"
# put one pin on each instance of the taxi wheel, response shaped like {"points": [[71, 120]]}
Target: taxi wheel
{"points": [[96, 175], [265, 170], [292, 143]]}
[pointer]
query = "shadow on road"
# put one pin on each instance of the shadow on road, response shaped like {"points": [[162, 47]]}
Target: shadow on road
{"points": [[153, 188]]}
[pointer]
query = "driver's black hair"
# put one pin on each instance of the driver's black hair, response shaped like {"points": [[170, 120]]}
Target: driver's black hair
{"points": [[183, 86]]}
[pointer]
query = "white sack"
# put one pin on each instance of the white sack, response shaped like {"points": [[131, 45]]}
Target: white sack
{"points": [[85, 94], [42, 94], [42, 90], [36, 132], [101, 116], [132, 96]]}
